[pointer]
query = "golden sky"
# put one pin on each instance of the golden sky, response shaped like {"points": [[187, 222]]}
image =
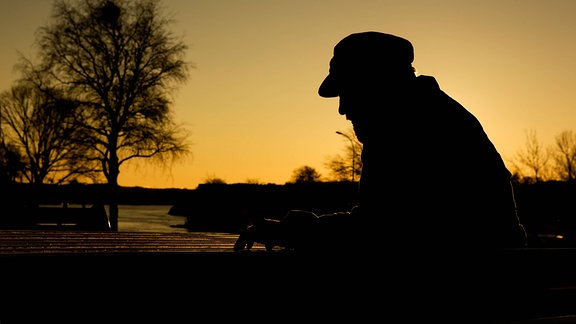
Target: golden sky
{"points": [[251, 103]]}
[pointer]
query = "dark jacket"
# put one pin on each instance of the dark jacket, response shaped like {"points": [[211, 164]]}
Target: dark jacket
{"points": [[432, 176]]}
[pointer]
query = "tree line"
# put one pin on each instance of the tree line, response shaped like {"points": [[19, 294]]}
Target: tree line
{"points": [[537, 162]]}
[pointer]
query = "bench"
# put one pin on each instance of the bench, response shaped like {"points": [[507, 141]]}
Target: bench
{"points": [[92, 218]]}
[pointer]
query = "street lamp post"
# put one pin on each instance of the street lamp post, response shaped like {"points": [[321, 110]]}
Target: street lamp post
{"points": [[353, 151]]}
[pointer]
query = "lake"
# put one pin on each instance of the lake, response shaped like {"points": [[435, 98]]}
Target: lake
{"points": [[146, 218], [149, 218]]}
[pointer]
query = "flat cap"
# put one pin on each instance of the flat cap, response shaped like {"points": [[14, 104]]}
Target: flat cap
{"points": [[366, 52]]}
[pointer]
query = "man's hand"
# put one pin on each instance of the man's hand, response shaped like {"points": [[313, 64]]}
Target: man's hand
{"points": [[269, 232], [295, 231]]}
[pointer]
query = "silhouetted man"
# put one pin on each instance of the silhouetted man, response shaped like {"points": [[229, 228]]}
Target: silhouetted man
{"points": [[430, 173], [430, 178]]}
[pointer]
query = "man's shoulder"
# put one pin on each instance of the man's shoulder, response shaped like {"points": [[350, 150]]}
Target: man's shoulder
{"points": [[430, 90], [427, 82]]}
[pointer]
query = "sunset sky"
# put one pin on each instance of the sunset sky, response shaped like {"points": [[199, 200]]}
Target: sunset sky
{"points": [[251, 103]]}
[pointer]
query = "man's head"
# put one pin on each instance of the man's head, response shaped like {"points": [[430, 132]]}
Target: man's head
{"points": [[363, 59], [367, 71]]}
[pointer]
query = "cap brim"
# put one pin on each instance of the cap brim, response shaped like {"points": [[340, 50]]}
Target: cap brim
{"points": [[328, 88]]}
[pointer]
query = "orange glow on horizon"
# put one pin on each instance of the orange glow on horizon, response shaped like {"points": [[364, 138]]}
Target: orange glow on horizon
{"points": [[251, 102]]}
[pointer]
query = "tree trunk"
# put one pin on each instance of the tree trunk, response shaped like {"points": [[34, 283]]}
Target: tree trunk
{"points": [[113, 206], [114, 168]]}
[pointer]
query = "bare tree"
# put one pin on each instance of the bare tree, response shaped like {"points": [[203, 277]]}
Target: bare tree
{"points": [[119, 61], [39, 125], [533, 158], [339, 168], [564, 155], [306, 174], [348, 167], [214, 180]]}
